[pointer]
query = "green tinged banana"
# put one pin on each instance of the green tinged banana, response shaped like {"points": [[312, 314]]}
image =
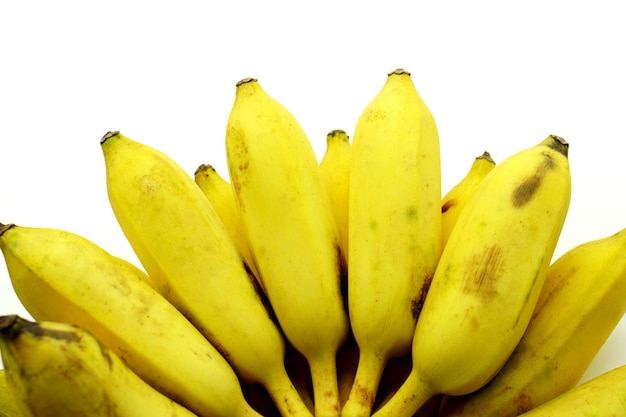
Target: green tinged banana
{"points": [[335, 166], [489, 277], [187, 251], [63, 277], [602, 396], [395, 229], [453, 202], [292, 231], [582, 301], [57, 369]]}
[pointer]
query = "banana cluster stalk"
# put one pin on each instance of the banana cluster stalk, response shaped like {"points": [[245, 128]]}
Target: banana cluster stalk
{"points": [[489, 277], [394, 229], [60, 276], [56, 369], [187, 251], [580, 304], [292, 232]]}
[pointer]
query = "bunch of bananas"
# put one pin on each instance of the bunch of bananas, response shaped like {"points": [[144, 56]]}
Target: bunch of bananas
{"points": [[345, 286]]}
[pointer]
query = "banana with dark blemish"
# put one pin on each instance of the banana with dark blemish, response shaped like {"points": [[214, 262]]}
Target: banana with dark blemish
{"points": [[580, 304], [489, 277]]}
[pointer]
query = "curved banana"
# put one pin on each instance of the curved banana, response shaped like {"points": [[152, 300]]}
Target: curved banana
{"points": [[489, 277], [335, 166], [220, 194], [602, 396], [57, 369], [395, 229], [456, 198], [60, 276], [581, 302], [186, 250], [293, 235], [7, 404]]}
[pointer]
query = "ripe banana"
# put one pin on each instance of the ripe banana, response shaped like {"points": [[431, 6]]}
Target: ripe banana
{"points": [[395, 229], [292, 232], [489, 277], [57, 369], [455, 199], [335, 166], [7, 404], [63, 277], [580, 304], [185, 248], [602, 396], [220, 194]]}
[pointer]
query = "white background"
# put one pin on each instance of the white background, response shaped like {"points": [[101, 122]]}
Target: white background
{"points": [[498, 76]]}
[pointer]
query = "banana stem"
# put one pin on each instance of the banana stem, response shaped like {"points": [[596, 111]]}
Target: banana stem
{"points": [[409, 398], [286, 396], [325, 384], [363, 392]]}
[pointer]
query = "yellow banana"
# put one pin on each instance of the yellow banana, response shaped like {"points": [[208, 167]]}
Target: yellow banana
{"points": [[335, 166], [7, 404], [293, 235], [186, 250], [60, 276], [602, 396], [489, 277], [220, 194], [57, 369], [395, 229], [582, 301], [455, 199]]}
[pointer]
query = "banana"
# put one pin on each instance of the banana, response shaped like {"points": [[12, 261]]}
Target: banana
{"points": [[292, 232], [57, 369], [455, 199], [602, 396], [220, 194], [335, 166], [394, 229], [7, 404], [582, 301], [489, 277], [60, 276], [185, 248]]}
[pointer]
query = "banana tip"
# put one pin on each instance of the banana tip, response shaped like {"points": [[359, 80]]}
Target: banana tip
{"points": [[109, 135], [245, 80], [5, 227]]}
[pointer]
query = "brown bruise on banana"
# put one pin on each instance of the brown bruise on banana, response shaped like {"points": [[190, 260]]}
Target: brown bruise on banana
{"points": [[483, 273], [524, 192], [239, 152], [447, 205], [418, 302]]}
